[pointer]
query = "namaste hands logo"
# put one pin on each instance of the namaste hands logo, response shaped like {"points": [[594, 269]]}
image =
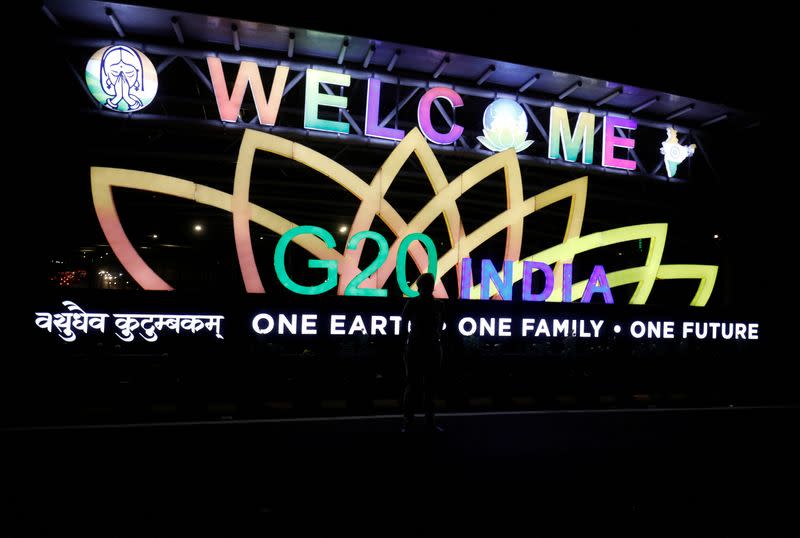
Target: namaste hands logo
{"points": [[121, 78]]}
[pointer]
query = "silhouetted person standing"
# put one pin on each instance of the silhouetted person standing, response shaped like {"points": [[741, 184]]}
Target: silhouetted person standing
{"points": [[423, 350]]}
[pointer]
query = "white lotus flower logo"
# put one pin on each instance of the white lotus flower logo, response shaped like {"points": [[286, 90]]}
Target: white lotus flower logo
{"points": [[505, 126]]}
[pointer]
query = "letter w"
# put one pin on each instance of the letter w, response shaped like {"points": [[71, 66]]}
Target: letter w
{"points": [[229, 105]]}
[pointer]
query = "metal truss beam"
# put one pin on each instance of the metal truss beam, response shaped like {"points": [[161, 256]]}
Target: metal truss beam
{"points": [[449, 121], [272, 62], [199, 74], [536, 121], [633, 151], [527, 102], [344, 112], [443, 112], [399, 107], [292, 83], [706, 157], [163, 65]]}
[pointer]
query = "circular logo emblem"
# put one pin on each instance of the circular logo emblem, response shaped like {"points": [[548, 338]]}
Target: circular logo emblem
{"points": [[121, 78], [505, 126]]}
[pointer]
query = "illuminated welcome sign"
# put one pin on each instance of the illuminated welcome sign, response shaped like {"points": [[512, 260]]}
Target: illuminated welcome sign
{"points": [[339, 264], [123, 79], [504, 120]]}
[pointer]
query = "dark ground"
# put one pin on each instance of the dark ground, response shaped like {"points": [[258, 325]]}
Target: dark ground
{"points": [[714, 472]]}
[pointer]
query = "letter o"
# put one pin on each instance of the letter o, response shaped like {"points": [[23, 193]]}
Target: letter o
{"points": [[463, 322], [257, 323], [638, 329]]}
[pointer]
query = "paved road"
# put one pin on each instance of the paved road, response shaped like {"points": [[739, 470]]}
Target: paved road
{"points": [[669, 471]]}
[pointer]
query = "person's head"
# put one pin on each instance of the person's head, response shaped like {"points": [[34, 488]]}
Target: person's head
{"points": [[425, 284]]}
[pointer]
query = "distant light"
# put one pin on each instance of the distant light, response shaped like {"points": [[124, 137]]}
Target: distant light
{"points": [[154, 236], [261, 237], [343, 229], [198, 228], [716, 236]]}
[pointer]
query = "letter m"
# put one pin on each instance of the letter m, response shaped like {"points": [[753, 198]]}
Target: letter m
{"points": [[560, 135]]}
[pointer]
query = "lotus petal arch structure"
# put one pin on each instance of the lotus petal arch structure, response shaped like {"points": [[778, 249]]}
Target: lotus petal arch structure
{"points": [[373, 204]]}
